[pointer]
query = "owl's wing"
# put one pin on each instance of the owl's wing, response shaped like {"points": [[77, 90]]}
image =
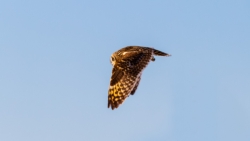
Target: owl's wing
{"points": [[120, 87]]}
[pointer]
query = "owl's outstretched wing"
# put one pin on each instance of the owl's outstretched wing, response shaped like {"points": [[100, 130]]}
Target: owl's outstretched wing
{"points": [[120, 87]]}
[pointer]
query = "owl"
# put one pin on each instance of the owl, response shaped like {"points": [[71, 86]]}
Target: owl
{"points": [[128, 64]]}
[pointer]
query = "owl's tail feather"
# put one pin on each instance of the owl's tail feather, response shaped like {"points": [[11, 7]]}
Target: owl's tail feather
{"points": [[160, 53]]}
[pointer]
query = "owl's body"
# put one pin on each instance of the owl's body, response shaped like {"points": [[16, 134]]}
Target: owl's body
{"points": [[128, 64]]}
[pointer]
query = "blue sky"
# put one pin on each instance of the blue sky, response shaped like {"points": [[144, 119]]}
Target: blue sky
{"points": [[55, 70]]}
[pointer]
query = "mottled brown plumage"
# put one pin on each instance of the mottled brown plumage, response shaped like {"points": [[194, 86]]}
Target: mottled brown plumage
{"points": [[128, 64]]}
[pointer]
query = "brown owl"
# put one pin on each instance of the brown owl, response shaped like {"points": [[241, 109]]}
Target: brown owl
{"points": [[128, 64]]}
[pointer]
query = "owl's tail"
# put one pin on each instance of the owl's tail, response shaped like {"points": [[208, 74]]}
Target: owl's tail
{"points": [[160, 53]]}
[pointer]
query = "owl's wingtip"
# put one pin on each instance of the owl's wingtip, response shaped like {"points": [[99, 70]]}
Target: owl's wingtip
{"points": [[112, 106], [160, 53]]}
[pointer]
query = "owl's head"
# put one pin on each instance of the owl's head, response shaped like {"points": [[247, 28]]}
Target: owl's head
{"points": [[112, 60]]}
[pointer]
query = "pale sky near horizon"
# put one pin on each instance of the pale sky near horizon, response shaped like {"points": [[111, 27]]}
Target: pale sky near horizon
{"points": [[55, 70]]}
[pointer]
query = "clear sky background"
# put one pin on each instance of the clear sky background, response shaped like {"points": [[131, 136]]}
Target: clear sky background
{"points": [[55, 70]]}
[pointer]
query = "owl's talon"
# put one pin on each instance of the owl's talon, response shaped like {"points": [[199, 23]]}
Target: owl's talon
{"points": [[152, 59]]}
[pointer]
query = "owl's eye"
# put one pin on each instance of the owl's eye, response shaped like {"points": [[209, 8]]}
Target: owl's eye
{"points": [[112, 60]]}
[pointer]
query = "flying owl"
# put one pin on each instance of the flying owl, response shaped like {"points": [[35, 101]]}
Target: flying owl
{"points": [[128, 64]]}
